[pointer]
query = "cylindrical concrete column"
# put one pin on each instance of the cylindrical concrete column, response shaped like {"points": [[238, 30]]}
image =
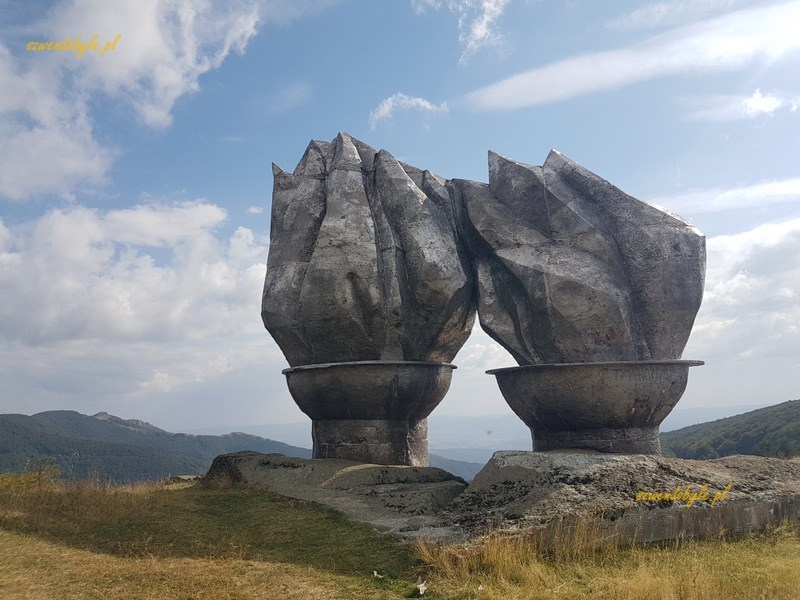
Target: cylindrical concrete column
{"points": [[372, 441]]}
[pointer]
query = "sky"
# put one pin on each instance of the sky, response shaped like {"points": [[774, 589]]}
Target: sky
{"points": [[135, 178]]}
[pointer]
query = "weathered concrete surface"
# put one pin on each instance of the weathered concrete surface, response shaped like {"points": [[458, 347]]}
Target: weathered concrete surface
{"points": [[374, 260], [405, 500], [572, 269], [521, 491], [364, 261], [610, 407], [370, 411]]}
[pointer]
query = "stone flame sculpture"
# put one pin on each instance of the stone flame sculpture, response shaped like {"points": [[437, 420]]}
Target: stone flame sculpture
{"points": [[592, 291], [375, 269], [369, 295]]}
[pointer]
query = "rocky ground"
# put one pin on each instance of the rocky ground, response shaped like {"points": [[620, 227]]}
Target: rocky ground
{"points": [[520, 490]]}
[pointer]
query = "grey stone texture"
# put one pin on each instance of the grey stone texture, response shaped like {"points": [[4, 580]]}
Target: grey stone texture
{"points": [[536, 492], [364, 261], [570, 268], [374, 261], [370, 411], [518, 491], [403, 499], [607, 406]]}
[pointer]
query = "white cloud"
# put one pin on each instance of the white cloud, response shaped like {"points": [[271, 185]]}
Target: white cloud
{"points": [[119, 306], [477, 20], [662, 14], [47, 138], [758, 104], [727, 43], [484, 354], [399, 101], [87, 274], [165, 46], [751, 305], [733, 108], [780, 191], [255, 210], [46, 129]]}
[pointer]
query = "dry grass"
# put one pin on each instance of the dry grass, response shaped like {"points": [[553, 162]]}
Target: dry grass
{"points": [[87, 540], [31, 568], [577, 563]]}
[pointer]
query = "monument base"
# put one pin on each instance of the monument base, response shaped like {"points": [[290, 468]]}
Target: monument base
{"points": [[370, 411], [615, 496], [627, 440], [611, 407], [380, 442]]}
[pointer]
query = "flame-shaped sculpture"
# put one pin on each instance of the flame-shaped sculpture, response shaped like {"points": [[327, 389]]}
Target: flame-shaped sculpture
{"points": [[375, 269], [369, 295]]}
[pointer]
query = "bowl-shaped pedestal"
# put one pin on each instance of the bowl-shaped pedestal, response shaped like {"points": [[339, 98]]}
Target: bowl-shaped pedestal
{"points": [[605, 406], [370, 411]]}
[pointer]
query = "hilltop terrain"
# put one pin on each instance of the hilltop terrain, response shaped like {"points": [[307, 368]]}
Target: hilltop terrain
{"points": [[771, 431], [115, 449], [127, 450]]}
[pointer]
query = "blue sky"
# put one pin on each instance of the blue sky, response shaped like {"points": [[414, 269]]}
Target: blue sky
{"points": [[135, 185]]}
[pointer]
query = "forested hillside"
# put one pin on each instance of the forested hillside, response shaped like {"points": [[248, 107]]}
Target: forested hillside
{"points": [[770, 431], [116, 449], [120, 450]]}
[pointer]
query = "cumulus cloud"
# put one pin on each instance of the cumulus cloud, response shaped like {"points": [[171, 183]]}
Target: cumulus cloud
{"points": [[46, 129], [120, 305], [477, 21], [727, 43], [164, 48], [751, 306], [660, 14], [734, 108], [47, 138], [109, 282], [403, 102]]}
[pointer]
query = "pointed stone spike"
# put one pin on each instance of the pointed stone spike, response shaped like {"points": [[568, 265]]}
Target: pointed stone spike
{"points": [[430, 175], [521, 188], [435, 290], [662, 255], [314, 162], [345, 154], [276, 170], [394, 170], [366, 152]]}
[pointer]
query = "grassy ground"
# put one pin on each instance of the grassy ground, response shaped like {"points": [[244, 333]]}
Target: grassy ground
{"points": [[183, 541]]}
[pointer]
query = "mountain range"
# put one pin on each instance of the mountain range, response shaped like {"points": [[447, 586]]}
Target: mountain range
{"points": [[124, 450]]}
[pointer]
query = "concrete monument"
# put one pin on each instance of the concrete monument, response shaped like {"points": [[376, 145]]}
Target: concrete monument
{"points": [[592, 291], [369, 295], [375, 268]]}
